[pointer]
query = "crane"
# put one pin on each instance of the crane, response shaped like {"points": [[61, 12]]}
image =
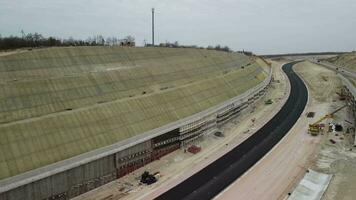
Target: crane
{"points": [[314, 128]]}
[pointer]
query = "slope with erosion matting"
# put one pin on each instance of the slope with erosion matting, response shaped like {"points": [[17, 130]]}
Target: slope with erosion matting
{"points": [[59, 79], [35, 136]]}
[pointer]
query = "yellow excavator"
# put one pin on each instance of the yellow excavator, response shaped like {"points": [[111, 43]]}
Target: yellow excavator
{"points": [[314, 129]]}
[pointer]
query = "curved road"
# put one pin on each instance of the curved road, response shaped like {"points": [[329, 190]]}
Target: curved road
{"points": [[210, 181]]}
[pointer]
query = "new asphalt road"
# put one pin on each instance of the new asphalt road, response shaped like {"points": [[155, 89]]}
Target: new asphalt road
{"points": [[211, 180]]}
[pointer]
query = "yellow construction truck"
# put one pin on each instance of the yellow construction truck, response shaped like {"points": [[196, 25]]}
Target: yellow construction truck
{"points": [[314, 129]]}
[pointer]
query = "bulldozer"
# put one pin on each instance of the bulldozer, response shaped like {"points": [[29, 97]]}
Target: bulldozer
{"points": [[314, 129]]}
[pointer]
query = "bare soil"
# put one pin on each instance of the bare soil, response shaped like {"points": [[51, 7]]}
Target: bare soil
{"points": [[279, 172], [338, 159]]}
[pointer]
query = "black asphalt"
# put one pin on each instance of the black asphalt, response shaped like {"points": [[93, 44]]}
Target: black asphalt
{"points": [[211, 180]]}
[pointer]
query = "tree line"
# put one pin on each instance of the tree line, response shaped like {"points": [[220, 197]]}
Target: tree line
{"points": [[33, 40], [177, 45]]}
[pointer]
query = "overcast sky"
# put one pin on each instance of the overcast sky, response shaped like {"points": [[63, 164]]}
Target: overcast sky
{"points": [[263, 26]]}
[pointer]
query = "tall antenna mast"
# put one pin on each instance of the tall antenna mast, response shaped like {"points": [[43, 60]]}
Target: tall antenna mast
{"points": [[153, 27]]}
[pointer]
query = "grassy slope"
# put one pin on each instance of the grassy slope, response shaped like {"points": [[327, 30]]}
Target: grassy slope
{"points": [[104, 87], [50, 81]]}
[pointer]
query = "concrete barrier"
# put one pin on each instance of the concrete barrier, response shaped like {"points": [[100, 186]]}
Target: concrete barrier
{"points": [[311, 187]]}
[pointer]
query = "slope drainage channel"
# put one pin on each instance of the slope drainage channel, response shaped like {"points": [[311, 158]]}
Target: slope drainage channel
{"points": [[214, 178]]}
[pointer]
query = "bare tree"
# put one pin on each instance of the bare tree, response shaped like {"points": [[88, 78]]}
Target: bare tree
{"points": [[37, 40], [100, 40]]}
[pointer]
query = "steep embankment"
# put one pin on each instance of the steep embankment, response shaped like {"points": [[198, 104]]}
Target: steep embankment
{"points": [[61, 102], [347, 60]]}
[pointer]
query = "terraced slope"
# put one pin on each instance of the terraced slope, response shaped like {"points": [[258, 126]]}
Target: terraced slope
{"points": [[345, 60], [53, 80], [61, 102]]}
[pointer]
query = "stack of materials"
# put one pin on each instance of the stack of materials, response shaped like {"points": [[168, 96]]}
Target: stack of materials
{"points": [[194, 149]]}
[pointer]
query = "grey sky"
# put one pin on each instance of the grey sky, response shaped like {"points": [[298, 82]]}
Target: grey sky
{"points": [[263, 26]]}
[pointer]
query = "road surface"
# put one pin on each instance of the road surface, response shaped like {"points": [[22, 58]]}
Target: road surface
{"points": [[210, 181]]}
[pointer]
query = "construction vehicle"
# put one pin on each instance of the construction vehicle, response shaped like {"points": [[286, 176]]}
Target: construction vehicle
{"points": [[268, 102], [148, 178], [314, 129]]}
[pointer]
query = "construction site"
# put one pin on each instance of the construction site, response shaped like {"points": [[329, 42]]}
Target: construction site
{"points": [[88, 122], [113, 118], [86, 126]]}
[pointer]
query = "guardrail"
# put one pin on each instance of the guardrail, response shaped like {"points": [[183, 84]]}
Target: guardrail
{"points": [[64, 165]]}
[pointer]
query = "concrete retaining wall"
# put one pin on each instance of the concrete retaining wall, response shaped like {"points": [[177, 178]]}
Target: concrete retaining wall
{"points": [[69, 178]]}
